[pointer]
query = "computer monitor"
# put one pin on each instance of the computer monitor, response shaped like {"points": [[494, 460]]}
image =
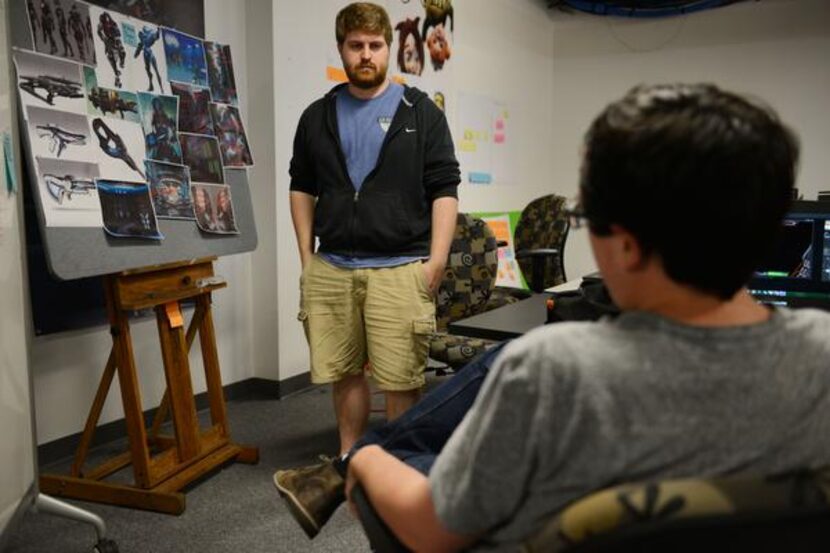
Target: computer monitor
{"points": [[797, 272]]}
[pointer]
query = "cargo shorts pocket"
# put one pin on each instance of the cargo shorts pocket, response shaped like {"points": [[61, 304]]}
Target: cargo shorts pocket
{"points": [[302, 316]]}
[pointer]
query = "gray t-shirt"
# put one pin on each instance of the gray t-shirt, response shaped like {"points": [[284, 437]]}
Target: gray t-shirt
{"points": [[574, 407]]}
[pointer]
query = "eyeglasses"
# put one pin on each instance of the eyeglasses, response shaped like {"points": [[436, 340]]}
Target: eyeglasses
{"points": [[576, 214]]}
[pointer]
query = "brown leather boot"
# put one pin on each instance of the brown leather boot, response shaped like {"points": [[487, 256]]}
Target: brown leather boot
{"points": [[313, 493]]}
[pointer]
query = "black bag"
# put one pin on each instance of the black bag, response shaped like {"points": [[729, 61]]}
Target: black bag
{"points": [[588, 303]]}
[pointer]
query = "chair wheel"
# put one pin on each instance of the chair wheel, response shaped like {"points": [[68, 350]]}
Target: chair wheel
{"points": [[105, 546]]}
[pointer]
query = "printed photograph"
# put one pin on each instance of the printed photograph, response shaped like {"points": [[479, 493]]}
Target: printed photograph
{"points": [[148, 66], [201, 154], [49, 82], [194, 108], [227, 123], [213, 207], [110, 49], [61, 28], [120, 148], [109, 102], [437, 30], [67, 193], [59, 134], [127, 209], [220, 73], [158, 121], [410, 46], [170, 190], [185, 57]]}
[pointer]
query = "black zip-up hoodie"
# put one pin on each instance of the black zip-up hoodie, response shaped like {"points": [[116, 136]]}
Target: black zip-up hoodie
{"points": [[392, 213]]}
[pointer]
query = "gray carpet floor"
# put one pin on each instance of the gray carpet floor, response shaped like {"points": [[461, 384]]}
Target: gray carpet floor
{"points": [[233, 509]]}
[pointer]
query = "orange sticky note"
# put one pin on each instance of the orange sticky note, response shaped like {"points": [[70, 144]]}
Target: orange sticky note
{"points": [[174, 314]]}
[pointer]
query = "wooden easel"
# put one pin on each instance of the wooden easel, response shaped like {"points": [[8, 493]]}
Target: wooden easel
{"points": [[177, 460]]}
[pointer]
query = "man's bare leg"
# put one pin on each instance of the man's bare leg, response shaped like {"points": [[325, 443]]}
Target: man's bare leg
{"points": [[351, 406], [398, 402]]}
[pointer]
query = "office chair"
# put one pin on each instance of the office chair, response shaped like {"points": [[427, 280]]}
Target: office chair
{"points": [[468, 281], [789, 512], [539, 243]]}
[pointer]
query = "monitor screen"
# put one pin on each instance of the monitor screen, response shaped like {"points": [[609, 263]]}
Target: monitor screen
{"points": [[797, 271]]}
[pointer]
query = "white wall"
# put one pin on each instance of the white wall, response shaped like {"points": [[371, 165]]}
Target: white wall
{"points": [[67, 366], [775, 49], [16, 450], [502, 50]]}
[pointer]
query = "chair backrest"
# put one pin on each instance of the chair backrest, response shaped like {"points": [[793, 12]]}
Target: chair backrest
{"points": [[543, 224], [788, 512], [470, 274]]}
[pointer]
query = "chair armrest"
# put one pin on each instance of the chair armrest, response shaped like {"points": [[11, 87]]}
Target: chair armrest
{"points": [[381, 538], [538, 252]]}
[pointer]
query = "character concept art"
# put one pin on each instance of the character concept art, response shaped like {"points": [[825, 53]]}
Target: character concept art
{"points": [[201, 154], [438, 39], [109, 101], [113, 145], [224, 211], [52, 86], [203, 208], [220, 73], [59, 138], [76, 25], [410, 47], [185, 57], [232, 140], [47, 26], [194, 114], [62, 189], [110, 35], [33, 19], [170, 190], [147, 36], [162, 142], [63, 30]]}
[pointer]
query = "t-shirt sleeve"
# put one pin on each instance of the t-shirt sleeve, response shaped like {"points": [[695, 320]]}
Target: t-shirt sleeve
{"points": [[303, 178], [480, 478]]}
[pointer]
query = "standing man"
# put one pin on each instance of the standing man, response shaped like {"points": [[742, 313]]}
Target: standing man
{"points": [[374, 178]]}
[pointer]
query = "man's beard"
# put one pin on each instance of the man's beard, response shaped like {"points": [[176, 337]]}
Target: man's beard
{"points": [[366, 81]]}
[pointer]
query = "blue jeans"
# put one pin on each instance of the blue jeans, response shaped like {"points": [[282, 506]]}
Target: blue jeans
{"points": [[419, 435]]}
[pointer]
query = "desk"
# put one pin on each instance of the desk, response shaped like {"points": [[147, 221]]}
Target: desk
{"points": [[511, 320]]}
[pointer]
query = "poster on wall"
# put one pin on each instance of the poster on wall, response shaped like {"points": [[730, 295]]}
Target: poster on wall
{"points": [[61, 28], [113, 65], [67, 192], [48, 82], [109, 102], [202, 157], [194, 108], [148, 54], [220, 73]]}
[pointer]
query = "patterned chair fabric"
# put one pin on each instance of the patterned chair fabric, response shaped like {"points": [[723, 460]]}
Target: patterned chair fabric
{"points": [[468, 281], [543, 224], [616, 518]]}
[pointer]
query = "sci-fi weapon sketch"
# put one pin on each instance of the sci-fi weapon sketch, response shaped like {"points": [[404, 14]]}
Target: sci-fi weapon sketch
{"points": [[112, 144], [63, 188], [108, 101], [59, 138], [52, 86]]}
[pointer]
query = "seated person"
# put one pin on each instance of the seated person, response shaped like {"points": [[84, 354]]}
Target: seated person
{"points": [[683, 189]]}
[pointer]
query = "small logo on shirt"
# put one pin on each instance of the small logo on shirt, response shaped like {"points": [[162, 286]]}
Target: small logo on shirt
{"points": [[384, 122], [407, 129]]}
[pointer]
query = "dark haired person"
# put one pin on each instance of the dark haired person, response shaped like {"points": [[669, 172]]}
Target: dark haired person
{"points": [[683, 190], [373, 178]]}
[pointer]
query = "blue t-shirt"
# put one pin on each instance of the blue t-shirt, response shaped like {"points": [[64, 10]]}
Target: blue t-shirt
{"points": [[362, 125]]}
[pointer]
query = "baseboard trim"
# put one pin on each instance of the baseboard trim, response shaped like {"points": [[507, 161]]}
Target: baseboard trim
{"points": [[251, 388]]}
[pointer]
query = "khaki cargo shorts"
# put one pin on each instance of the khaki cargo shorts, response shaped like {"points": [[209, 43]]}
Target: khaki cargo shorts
{"points": [[350, 316]]}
